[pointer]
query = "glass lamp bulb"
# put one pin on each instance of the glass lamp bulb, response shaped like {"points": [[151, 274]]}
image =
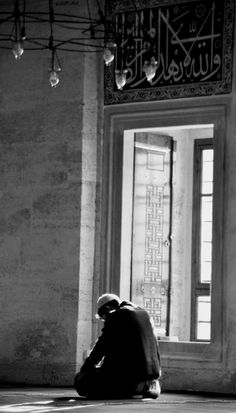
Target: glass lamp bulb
{"points": [[150, 69], [17, 49], [108, 53], [120, 76], [53, 78]]}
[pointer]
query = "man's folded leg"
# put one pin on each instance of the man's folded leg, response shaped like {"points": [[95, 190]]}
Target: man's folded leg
{"points": [[97, 384]]}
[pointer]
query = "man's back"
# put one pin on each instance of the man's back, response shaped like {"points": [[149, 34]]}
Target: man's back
{"points": [[125, 358], [131, 347]]}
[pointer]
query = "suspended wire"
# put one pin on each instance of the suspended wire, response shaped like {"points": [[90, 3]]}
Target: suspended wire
{"points": [[36, 15], [100, 12], [92, 30], [51, 17], [77, 42], [63, 26], [89, 12], [16, 26], [23, 23]]}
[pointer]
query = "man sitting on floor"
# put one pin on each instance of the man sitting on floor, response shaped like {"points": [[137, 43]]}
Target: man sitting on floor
{"points": [[125, 360]]}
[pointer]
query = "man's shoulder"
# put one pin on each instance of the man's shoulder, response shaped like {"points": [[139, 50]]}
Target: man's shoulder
{"points": [[129, 305], [131, 308], [126, 303]]}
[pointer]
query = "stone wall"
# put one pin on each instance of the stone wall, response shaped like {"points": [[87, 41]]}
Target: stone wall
{"points": [[48, 163]]}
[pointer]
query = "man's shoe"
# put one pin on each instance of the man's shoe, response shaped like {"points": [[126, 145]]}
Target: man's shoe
{"points": [[152, 390]]}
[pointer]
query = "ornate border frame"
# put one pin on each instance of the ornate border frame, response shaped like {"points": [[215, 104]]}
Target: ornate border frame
{"points": [[208, 88]]}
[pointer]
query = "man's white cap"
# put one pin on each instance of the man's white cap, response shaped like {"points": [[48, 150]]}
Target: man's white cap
{"points": [[106, 298]]}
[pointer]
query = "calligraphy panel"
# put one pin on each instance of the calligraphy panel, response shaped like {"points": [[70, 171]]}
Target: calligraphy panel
{"points": [[191, 43]]}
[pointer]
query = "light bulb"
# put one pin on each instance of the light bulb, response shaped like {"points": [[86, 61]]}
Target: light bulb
{"points": [[17, 49], [108, 54], [120, 76], [54, 78], [150, 69]]}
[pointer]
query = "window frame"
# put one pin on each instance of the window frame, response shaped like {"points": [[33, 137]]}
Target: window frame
{"points": [[198, 288], [118, 120]]}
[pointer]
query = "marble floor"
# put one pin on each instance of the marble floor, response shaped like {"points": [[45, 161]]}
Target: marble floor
{"points": [[42, 400]]}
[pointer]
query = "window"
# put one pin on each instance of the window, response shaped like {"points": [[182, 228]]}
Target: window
{"points": [[180, 353], [202, 240], [172, 176]]}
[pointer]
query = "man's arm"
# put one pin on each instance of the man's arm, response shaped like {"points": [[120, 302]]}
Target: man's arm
{"points": [[96, 354]]}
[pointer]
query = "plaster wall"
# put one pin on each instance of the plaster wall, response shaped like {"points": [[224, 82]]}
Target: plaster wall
{"points": [[229, 274], [48, 164]]}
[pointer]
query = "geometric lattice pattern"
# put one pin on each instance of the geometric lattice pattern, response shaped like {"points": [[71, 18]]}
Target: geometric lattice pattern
{"points": [[153, 306], [153, 233], [153, 251]]}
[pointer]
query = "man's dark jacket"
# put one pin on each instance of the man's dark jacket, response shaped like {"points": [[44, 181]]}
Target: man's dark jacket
{"points": [[127, 345]]}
